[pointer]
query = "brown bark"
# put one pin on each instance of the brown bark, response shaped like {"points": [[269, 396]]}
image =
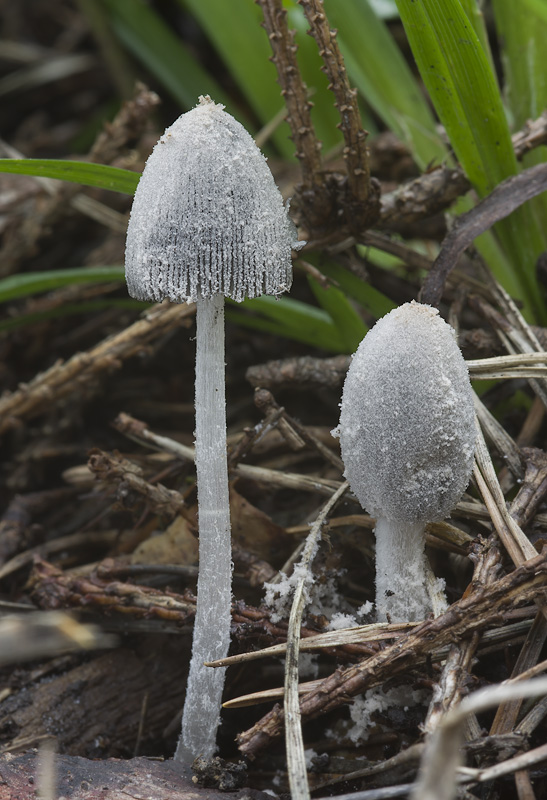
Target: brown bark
{"points": [[96, 707], [80, 779]]}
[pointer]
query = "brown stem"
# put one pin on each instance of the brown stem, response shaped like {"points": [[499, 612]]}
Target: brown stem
{"points": [[359, 194], [311, 195]]}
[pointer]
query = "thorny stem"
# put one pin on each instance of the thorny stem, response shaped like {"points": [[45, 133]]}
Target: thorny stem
{"points": [[355, 150], [294, 91], [201, 714]]}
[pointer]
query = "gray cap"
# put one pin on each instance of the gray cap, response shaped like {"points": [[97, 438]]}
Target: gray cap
{"points": [[207, 217], [407, 422]]}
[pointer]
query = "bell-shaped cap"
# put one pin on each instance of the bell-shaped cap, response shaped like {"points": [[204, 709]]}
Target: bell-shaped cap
{"points": [[207, 217], [407, 422]]}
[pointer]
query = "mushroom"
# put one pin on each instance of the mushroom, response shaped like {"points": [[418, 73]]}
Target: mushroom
{"points": [[208, 222], [407, 435]]}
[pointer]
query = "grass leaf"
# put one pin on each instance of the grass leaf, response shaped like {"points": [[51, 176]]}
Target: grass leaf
{"points": [[290, 319], [371, 299], [351, 327], [16, 286], [379, 71], [457, 74], [162, 52], [104, 177]]}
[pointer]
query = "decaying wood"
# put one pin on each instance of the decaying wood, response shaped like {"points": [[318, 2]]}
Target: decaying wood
{"points": [[16, 531], [438, 188], [140, 432], [130, 779], [94, 707], [455, 679], [265, 401], [51, 588], [534, 486], [302, 371], [430, 193]]}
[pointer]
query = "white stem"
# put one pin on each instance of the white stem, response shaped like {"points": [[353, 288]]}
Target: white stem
{"points": [[401, 582], [201, 715]]}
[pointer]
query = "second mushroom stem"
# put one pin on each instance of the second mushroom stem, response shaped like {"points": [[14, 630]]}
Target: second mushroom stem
{"points": [[401, 578], [201, 714]]}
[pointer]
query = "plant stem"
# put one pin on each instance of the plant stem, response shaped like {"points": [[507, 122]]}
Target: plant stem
{"points": [[201, 715], [401, 583]]}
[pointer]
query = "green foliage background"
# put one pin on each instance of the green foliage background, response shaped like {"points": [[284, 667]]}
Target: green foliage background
{"points": [[449, 43]]}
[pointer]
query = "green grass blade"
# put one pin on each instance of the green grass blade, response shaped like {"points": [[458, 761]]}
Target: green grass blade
{"points": [[243, 46], [156, 46], [100, 175], [290, 319], [464, 91], [457, 74], [524, 36], [16, 286], [476, 18], [371, 299], [349, 324], [523, 31], [537, 7], [379, 71]]}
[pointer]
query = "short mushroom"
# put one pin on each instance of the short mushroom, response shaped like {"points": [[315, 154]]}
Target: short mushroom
{"points": [[208, 222], [407, 435]]}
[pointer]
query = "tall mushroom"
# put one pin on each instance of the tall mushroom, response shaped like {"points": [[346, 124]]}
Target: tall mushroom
{"points": [[407, 434], [208, 222]]}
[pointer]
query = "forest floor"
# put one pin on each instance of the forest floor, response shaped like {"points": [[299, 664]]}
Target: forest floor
{"points": [[98, 515]]}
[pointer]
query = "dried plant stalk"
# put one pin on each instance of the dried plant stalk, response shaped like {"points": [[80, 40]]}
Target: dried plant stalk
{"points": [[294, 743], [362, 197]]}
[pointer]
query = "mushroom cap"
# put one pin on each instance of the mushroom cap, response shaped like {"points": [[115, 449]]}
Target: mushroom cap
{"points": [[407, 423], [207, 217]]}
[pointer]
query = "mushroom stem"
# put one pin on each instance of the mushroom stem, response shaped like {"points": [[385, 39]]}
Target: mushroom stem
{"points": [[401, 581], [201, 713]]}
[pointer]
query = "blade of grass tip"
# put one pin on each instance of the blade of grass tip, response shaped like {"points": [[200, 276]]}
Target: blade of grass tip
{"points": [[523, 32], [349, 324], [104, 177], [161, 51], [243, 46], [291, 319], [464, 91], [379, 71], [16, 286]]}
